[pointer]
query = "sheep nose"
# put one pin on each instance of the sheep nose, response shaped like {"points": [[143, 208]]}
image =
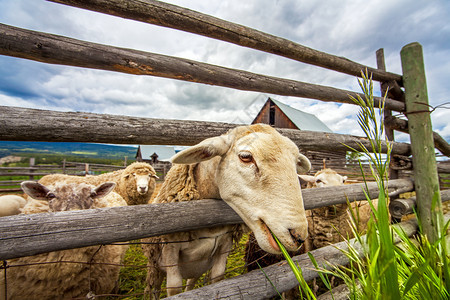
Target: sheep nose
{"points": [[298, 238]]}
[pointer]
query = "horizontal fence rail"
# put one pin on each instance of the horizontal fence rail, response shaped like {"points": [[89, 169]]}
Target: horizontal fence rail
{"points": [[34, 172], [23, 124], [54, 49], [402, 125], [172, 16], [402, 207], [24, 235]]}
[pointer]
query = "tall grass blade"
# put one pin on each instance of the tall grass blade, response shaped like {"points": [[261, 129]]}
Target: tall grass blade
{"points": [[270, 281], [297, 271]]}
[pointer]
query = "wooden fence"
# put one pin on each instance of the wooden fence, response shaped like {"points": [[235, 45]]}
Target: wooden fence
{"points": [[34, 172], [27, 235]]}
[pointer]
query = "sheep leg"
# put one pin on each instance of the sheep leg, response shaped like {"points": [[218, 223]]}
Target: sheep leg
{"points": [[174, 281], [220, 262], [190, 284], [170, 260]]}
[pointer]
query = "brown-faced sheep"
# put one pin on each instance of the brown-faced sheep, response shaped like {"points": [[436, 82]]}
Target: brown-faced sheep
{"points": [[253, 169], [67, 273], [136, 183], [11, 205]]}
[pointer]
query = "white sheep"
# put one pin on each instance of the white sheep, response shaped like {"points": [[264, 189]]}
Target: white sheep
{"points": [[67, 273], [136, 183], [331, 224], [253, 252], [321, 226], [253, 169], [11, 205]]}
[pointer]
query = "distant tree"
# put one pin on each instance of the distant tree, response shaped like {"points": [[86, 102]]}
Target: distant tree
{"points": [[352, 156]]}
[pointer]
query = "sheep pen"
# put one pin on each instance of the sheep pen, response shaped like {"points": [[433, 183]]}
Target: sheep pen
{"points": [[37, 125]]}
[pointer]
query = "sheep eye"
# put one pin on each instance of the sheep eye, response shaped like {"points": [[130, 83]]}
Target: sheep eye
{"points": [[51, 196], [246, 157], [318, 181]]}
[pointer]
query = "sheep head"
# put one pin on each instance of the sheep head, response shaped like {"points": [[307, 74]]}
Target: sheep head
{"points": [[142, 176], [324, 177], [256, 174], [67, 196]]}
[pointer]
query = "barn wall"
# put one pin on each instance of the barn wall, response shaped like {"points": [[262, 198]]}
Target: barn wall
{"points": [[263, 115]]}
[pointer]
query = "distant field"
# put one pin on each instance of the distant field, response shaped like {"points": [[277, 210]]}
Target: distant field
{"points": [[87, 150]]}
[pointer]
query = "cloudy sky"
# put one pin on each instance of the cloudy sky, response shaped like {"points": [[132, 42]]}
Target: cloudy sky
{"points": [[354, 29]]}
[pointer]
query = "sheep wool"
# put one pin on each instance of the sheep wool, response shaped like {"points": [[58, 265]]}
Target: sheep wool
{"points": [[125, 179], [67, 273], [11, 205]]}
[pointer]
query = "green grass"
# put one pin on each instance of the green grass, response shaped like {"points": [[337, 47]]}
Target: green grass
{"points": [[133, 274], [412, 269]]}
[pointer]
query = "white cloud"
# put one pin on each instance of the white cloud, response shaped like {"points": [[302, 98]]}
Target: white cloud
{"points": [[352, 29]]}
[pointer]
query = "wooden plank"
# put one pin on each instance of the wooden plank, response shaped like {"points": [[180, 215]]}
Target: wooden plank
{"points": [[402, 207], [23, 124], [421, 136], [402, 125], [172, 16], [96, 165], [256, 285], [384, 86], [22, 174], [9, 182], [443, 167], [19, 168], [11, 190], [326, 196], [56, 49], [23, 235]]}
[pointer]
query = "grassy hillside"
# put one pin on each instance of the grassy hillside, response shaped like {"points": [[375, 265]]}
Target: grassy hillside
{"points": [[84, 150]]}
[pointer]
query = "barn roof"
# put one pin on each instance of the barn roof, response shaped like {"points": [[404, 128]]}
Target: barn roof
{"points": [[164, 152], [301, 119]]}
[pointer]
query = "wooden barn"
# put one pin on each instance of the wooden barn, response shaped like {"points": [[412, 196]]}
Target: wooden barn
{"points": [[158, 156], [153, 154], [280, 115]]}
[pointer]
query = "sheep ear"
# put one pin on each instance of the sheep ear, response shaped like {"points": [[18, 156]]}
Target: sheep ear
{"points": [[303, 164], [35, 190], [103, 189], [307, 178], [205, 150]]}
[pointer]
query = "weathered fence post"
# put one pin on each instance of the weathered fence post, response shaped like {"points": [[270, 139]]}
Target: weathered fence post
{"points": [[422, 144], [384, 86], [32, 164]]}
